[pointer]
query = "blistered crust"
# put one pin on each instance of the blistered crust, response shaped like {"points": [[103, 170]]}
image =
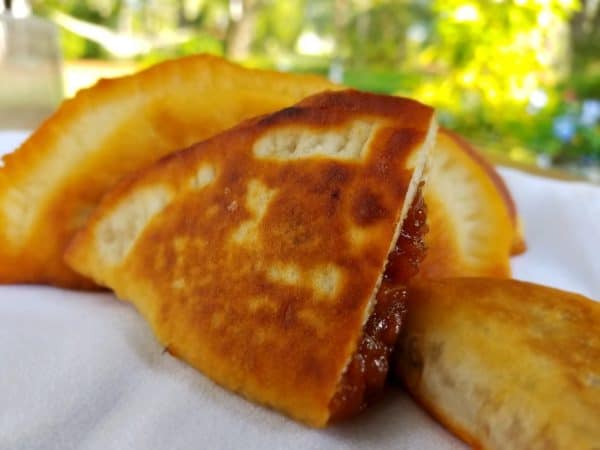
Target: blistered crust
{"points": [[504, 364], [255, 277], [51, 183]]}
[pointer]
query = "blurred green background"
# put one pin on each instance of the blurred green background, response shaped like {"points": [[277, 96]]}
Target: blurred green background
{"points": [[518, 77]]}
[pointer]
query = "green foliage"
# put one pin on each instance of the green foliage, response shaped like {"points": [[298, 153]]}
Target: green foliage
{"points": [[200, 43], [278, 25], [489, 59], [480, 62], [104, 12]]}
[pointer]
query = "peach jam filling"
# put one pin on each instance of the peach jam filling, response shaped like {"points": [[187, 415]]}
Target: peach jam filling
{"points": [[365, 376]]}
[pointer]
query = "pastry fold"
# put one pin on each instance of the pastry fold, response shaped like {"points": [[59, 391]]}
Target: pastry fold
{"points": [[257, 256], [504, 364], [50, 185]]}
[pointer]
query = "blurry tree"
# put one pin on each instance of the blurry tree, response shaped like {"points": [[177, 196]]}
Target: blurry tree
{"points": [[516, 73], [497, 65], [585, 44], [150, 29], [496, 69], [103, 12], [375, 42], [241, 30]]}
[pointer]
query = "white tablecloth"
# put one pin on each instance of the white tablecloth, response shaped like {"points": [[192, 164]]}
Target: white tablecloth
{"points": [[83, 371]]}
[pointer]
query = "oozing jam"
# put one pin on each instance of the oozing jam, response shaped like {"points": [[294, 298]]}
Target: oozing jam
{"points": [[409, 251], [364, 377]]}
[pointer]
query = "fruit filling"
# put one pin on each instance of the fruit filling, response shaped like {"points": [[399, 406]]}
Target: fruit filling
{"points": [[365, 376]]}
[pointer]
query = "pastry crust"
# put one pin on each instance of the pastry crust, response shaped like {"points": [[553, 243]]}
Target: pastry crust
{"points": [[49, 185], [471, 216], [504, 364], [518, 244], [256, 255]]}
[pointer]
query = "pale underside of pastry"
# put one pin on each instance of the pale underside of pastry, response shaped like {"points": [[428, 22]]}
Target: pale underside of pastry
{"points": [[518, 244], [504, 364], [50, 184], [471, 217], [257, 255]]}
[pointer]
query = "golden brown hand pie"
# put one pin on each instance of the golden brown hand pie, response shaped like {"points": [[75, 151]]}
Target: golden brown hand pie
{"points": [[53, 181], [505, 364], [258, 255]]}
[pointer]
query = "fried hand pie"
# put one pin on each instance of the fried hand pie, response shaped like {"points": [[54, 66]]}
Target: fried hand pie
{"points": [[50, 184], [258, 256], [504, 364]]}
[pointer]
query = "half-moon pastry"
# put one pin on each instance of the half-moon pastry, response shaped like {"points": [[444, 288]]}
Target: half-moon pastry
{"points": [[504, 364], [267, 256], [472, 219], [49, 185], [518, 244]]}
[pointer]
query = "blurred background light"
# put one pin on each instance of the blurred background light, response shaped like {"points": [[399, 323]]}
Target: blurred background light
{"points": [[19, 8], [310, 43], [520, 78], [538, 99], [466, 13]]}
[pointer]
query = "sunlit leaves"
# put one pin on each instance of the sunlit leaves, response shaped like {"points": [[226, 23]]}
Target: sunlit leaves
{"points": [[490, 57]]}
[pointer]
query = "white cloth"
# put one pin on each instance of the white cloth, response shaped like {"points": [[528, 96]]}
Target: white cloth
{"points": [[83, 371]]}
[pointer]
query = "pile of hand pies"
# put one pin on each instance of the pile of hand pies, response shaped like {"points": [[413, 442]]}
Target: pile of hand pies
{"points": [[254, 217]]}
